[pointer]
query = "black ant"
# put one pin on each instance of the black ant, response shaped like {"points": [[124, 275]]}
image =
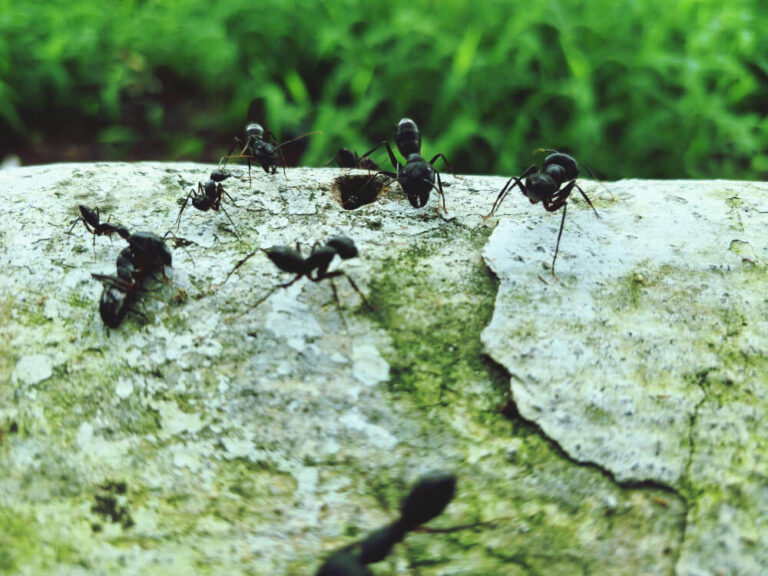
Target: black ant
{"points": [[417, 177], [92, 221], [146, 254], [262, 147], [319, 260], [117, 298], [427, 500], [209, 196], [150, 252], [546, 186], [347, 158]]}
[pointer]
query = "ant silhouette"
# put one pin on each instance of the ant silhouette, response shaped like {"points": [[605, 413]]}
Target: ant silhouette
{"points": [[209, 197], [117, 298], [552, 185], [263, 147], [314, 267], [346, 158], [145, 255], [92, 221], [417, 177], [426, 500]]}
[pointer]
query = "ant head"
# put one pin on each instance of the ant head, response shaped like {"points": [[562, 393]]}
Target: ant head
{"points": [[89, 215], [539, 186], [255, 130], [428, 498], [344, 247]]}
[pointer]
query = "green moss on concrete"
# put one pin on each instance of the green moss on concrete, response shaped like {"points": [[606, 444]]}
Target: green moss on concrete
{"points": [[18, 540], [434, 300]]}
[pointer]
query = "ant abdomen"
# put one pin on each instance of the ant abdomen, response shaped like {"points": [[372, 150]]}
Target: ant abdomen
{"points": [[561, 167], [408, 137]]}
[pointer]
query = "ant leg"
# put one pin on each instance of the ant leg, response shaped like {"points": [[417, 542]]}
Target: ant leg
{"points": [[228, 155], [372, 150], [267, 295], [557, 246], [503, 194], [282, 159], [338, 305], [292, 282], [392, 159], [272, 138], [232, 200], [440, 191], [239, 263], [179, 242], [74, 223], [586, 198], [359, 292], [383, 173], [184, 205], [518, 181], [336, 274], [447, 165], [234, 228], [279, 146]]}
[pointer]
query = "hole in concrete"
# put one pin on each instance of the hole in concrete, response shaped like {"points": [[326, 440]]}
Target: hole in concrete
{"points": [[355, 190]]}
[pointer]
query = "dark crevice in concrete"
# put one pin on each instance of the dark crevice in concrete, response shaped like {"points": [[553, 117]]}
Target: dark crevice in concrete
{"points": [[510, 410], [352, 191]]}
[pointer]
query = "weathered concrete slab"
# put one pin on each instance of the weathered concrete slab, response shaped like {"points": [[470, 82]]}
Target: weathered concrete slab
{"points": [[212, 437]]}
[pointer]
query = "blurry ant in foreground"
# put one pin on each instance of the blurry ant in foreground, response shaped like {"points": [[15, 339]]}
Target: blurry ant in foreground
{"points": [[209, 197], [262, 147], [546, 186], [426, 500], [92, 221], [319, 260]]}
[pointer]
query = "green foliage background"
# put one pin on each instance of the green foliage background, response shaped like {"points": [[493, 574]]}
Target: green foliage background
{"points": [[649, 88]]}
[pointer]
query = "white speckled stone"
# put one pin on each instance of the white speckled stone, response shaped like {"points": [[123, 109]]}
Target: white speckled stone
{"points": [[650, 356]]}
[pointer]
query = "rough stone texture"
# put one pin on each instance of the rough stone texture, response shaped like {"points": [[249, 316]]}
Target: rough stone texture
{"points": [[210, 436], [650, 357]]}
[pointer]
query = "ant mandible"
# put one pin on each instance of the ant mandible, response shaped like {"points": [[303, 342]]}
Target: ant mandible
{"points": [[552, 185], [92, 221], [209, 196], [261, 146], [418, 176]]}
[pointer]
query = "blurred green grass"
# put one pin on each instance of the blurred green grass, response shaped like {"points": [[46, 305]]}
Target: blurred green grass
{"points": [[651, 88]]}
